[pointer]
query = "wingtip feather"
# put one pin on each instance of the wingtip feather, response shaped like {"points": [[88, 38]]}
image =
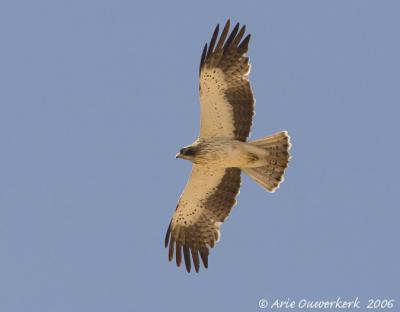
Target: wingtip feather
{"points": [[178, 256], [167, 235], [204, 257], [186, 255], [244, 45], [213, 40], [231, 37], [171, 250], [195, 257]]}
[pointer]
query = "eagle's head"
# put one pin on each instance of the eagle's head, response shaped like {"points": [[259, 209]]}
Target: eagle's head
{"points": [[188, 152]]}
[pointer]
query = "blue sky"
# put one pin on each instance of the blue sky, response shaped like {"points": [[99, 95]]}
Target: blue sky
{"points": [[98, 96]]}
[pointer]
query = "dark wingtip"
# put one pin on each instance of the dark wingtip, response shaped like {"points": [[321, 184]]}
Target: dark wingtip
{"points": [[186, 255], [226, 27], [231, 37], [224, 33], [204, 257], [178, 255], [195, 257], [171, 250], [244, 45], [213, 40], [167, 235], [239, 36], [203, 57]]}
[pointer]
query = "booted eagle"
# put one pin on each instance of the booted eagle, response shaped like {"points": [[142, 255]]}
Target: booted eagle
{"points": [[221, 152]]}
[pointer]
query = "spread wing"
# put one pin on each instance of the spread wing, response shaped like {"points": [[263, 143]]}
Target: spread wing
{"points": [[226, 100], [204, 204]]}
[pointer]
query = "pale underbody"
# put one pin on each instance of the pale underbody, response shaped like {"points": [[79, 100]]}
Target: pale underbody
{"points": [[227, 153]]}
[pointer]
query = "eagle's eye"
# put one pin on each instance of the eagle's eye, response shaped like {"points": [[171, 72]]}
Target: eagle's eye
{"points": [[187, 151]]}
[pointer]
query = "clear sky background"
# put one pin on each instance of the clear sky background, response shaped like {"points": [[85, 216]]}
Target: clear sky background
{"points": [[96, 98]]}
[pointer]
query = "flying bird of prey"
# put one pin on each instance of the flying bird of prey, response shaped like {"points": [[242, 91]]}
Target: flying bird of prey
{"points": [[221, 152]]}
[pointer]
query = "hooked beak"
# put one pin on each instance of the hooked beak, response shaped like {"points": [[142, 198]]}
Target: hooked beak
{"points": [[179, 155]]}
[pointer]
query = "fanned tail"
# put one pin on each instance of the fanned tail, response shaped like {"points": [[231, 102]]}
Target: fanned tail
{"points": [[271, 175]]}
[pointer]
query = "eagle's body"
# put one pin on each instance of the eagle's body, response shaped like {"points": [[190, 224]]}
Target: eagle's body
{"points": [[226, 153], [221, 152]]}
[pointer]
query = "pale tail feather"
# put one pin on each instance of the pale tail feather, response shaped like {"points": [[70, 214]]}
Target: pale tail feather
{"points": [[271, 175]]}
